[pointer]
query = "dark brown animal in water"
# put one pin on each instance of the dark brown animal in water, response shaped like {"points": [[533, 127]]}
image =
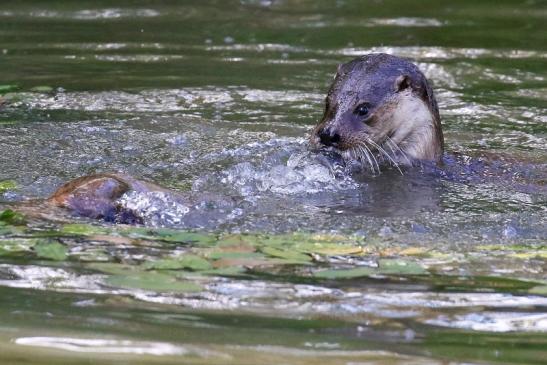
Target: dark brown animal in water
{"points": [[380, 108], [96, 196]]}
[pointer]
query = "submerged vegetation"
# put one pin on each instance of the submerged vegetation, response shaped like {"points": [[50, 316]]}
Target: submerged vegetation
{"points": [[297, 257], [369, 289]]}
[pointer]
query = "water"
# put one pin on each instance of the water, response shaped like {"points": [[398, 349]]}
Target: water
{"points": [[214, 100]]}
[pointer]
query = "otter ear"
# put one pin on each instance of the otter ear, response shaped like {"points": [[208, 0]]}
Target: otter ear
{"points": [[402, 82]]}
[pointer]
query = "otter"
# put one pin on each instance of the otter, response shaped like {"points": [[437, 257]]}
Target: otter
{"points": [[380, 108], [98, 196]]}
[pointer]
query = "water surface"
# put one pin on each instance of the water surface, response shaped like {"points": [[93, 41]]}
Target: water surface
{"points": [[214, 100]]}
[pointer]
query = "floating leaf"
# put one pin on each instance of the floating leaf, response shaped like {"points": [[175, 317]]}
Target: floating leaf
{"points": [[83, 229], [217, 255], [171, 235], [7, 122], [225, 271], [51, 250], [539, 290], [189, 262], [42, 89], [322, 248], [114, 268], [158, 282], [414, 251], [276, 241], [400, 267], [11, 217], [6, 185], [512, 247], [139, 232], [345, 273], [286, 254], [466, 283], [324, 238], [115, 240], [6, 229], [7, 88], [238, 240], [246, 262]]}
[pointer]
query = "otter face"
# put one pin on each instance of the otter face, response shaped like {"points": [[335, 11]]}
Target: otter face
{"points": [[380, 109]]}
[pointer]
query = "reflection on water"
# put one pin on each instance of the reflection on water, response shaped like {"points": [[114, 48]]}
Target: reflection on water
{"points": [[214, 100], [104, 346]]}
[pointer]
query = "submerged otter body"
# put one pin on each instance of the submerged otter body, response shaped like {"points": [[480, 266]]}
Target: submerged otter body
{"points": [[380, 108], [98, 197]]}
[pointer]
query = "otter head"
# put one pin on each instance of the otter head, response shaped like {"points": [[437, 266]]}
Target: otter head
{"points": [[380, 108]]}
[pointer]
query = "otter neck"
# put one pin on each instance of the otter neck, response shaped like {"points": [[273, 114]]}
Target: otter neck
{"points": [[414, 129]]}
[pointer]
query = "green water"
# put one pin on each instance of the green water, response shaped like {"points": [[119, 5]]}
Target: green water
{"points": [[213, 99]]}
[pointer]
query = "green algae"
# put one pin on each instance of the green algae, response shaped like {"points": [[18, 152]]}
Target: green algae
{"points": [[400, 267], [13, 218], [188, 262], [153, 281], [235, 253], [51, 250], [345, 273], [154, 262], [7, 185], [42, 89], [4, 89], [83, 229]]}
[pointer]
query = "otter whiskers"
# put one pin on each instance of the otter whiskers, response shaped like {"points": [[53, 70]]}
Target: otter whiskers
{"points": [[368, 152], [364, 153], [383, 151], [392, 144], [358, 153]]}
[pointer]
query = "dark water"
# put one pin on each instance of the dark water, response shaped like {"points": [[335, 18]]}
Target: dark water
{"points": [[214, 100]]}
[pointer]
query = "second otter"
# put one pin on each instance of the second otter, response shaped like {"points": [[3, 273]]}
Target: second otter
{"points": [[380, 108]]}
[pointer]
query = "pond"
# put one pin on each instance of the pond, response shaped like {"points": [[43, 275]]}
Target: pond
{"points": [[271, 258]]}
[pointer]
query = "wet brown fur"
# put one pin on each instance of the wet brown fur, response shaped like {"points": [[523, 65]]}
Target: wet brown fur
{"points": [[98, 186], [96, 196]]}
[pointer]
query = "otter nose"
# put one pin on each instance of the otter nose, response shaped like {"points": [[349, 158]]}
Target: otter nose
{"points": [[328, 137]]}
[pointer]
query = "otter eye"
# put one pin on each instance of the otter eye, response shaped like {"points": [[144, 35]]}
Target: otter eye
{"points": [[361, 110]]}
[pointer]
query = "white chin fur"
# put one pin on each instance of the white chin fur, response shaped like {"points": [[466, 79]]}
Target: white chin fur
{"points": [[413, 127]]}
